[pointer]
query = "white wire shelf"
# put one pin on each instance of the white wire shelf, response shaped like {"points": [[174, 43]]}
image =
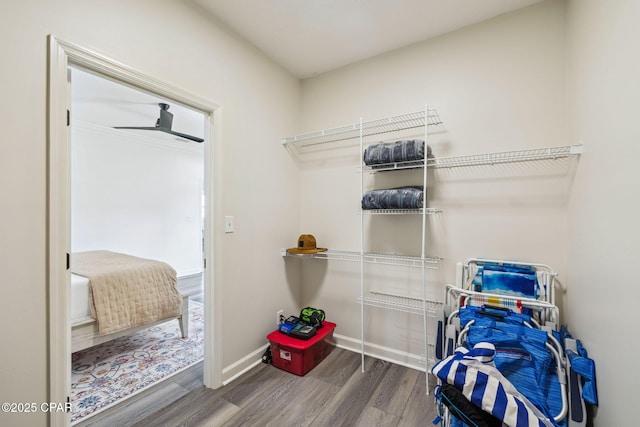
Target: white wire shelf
{"points": [[398, 123], [384, 167], [427, 211], [371, 258], [529, 155], [405, 304], [549, 153]]}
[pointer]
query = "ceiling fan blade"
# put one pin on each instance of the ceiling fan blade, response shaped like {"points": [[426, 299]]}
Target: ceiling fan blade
{"points": [[163, 124], [183, 135], [136, 127], [165, 130]]}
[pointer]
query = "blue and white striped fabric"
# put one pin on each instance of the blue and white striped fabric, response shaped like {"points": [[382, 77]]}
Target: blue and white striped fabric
{"points": [[523, 358], [474, 373]]}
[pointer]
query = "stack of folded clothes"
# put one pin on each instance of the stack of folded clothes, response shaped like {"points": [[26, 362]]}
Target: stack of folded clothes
{"points": [[395, 152], [411, 197]]}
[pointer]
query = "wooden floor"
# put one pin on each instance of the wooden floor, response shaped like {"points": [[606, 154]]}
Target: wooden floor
{"points": [[156, 397], [334, 393], [153, 398]]}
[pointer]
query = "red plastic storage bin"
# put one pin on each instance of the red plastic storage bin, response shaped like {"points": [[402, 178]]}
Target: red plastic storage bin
{"points": [[300, 356]]}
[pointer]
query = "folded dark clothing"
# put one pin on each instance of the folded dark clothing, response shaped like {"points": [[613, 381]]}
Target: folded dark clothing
{"points": [[394, 198], [394, 152]]}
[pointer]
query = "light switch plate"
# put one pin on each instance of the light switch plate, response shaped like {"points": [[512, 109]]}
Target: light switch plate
{"points": [[228, 224]]}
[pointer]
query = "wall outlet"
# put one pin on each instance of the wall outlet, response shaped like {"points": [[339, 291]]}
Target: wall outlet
{"points": [[279, 315]]}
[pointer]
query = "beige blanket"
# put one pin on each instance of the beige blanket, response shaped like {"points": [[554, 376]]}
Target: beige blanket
{"points": [[126, 291]]}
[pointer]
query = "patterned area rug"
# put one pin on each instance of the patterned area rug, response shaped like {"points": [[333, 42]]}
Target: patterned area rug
{"points": [[104, 375]]}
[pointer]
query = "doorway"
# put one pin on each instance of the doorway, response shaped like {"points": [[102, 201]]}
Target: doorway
{"points": [[134, 191], [63, 55]]}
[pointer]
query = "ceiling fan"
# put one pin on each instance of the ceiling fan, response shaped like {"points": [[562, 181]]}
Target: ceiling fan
{"points": [[163, 124]]}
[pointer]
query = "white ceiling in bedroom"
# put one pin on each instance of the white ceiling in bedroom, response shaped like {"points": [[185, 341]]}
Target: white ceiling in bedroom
{"points": [[309, 37], [103, 102]]}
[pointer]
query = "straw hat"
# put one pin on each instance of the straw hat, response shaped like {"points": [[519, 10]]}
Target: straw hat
{"points": [[306, 245]]}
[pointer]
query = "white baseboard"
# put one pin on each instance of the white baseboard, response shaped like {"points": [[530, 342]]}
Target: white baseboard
{"points": [[409, 360], [243, 365]]}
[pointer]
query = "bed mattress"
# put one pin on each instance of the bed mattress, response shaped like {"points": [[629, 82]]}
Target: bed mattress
{"points": [[126, 290], [80, 310]]}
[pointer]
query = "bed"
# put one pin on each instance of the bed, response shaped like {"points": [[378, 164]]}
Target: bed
{"points": [[114, 295]]}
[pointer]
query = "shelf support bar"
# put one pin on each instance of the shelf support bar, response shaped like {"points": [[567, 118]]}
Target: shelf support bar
{"points": [[361, 251], [423, 254]]}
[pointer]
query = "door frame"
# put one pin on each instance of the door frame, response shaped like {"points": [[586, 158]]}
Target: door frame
{"points": [[61, 55]]}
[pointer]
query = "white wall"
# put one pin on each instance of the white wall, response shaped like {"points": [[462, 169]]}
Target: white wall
{"points": [[603, 70], [498, 85], [139, 195], [175, 43]]}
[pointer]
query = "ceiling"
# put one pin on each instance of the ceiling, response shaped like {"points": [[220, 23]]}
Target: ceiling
{"points": [[107, 103], [306, 37], [310, 37]]}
